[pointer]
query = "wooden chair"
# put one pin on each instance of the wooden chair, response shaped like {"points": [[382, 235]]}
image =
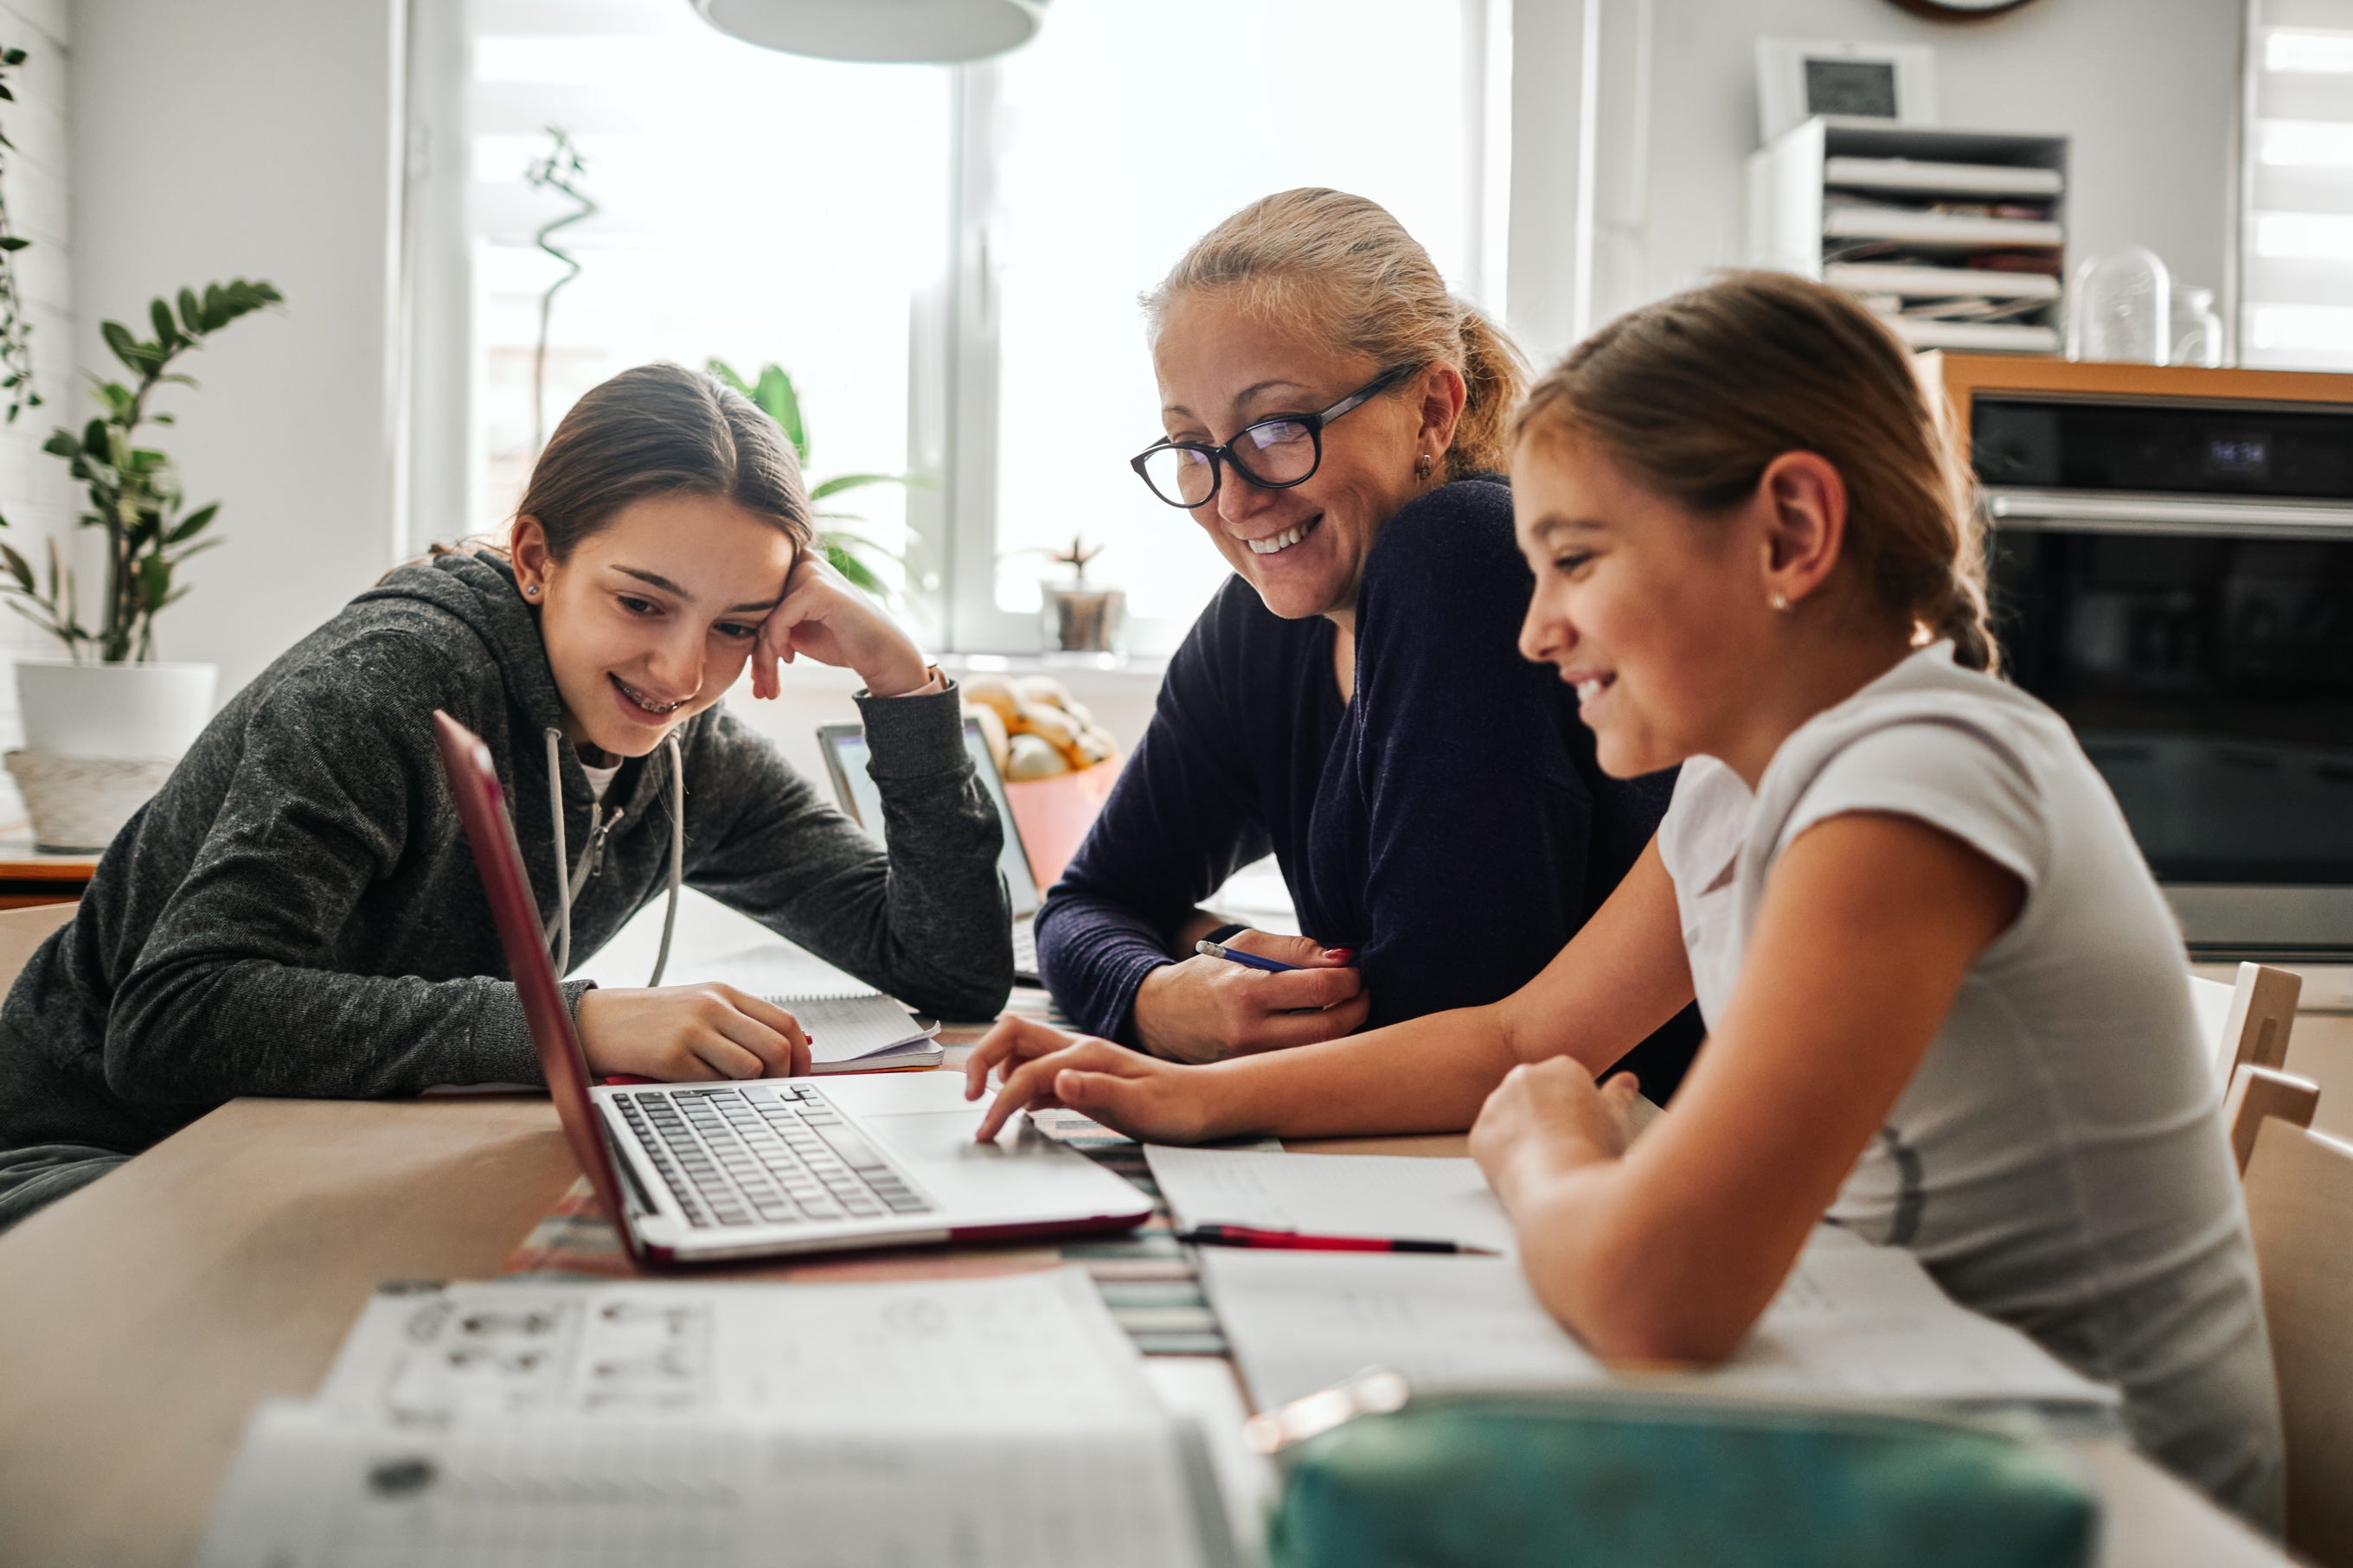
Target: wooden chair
{"points": [[2299, 1187], [22, 931], [2249, 1024]]}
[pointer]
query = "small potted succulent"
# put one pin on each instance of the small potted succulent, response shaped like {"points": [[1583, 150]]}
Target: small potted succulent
{"points": [[1076, 615], [104, 723]]}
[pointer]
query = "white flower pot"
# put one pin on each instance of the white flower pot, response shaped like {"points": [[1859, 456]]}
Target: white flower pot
{"points": [[144, 711]]}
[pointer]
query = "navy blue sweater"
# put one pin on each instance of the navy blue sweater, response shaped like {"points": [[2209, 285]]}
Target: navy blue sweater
{"points": [[1449, 822]]}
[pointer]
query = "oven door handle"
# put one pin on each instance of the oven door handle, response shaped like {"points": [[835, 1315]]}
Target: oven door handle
{"points": [[2091, 511]]}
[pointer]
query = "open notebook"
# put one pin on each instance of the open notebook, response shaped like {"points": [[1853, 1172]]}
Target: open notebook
{"points": [[861, 1031], [852, 1028]]}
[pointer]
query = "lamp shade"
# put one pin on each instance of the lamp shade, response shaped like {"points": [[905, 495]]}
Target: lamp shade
{"points": [[897, 31]]}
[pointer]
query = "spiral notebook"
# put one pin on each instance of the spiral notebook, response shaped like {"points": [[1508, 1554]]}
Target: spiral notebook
{"points": [[851, 1031]]}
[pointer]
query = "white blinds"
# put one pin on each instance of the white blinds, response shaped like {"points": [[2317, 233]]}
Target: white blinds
{"points": [[2296, 298]]}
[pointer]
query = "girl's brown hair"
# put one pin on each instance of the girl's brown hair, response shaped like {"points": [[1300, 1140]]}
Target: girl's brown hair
{"points": [[659, 429], [1695, 395], [1342, 267]]}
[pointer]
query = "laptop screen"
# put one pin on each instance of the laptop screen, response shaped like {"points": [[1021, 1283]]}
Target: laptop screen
{"points": [[847, 755]]}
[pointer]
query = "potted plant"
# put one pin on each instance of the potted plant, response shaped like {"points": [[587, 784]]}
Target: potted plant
{"points": [[1077, 615], [104, 723], [772, 391]]}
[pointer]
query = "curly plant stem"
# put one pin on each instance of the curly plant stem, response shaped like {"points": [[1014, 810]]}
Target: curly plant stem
{"points": [[553, 174]]}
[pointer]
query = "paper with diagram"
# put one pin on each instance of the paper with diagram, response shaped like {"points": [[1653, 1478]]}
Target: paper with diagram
{"points": [[995, 1422]]}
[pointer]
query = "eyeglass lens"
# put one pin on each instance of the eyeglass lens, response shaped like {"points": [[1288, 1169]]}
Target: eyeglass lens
{"points": [[1271, 452]]}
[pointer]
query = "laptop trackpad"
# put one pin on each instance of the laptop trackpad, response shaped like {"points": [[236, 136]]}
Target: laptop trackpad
{"points": [[937, 1135]]}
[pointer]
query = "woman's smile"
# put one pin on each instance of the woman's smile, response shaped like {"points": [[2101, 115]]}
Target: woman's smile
{"points": [[1275, 544]]}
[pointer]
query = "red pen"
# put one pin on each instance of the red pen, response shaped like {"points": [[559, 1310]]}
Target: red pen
{"points": [[1302, 1241]]}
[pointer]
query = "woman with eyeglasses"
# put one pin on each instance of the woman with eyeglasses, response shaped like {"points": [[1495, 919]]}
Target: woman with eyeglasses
{"points": [[1351, 699]]}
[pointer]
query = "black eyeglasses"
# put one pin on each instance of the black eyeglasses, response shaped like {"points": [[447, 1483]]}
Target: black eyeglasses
{"points": [[1283, 451]]}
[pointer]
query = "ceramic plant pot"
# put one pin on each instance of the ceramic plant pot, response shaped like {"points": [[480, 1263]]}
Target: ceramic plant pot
{"points": [[100, 740]]}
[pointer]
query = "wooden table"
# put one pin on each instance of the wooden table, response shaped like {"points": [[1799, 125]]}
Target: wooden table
{"points": [[142, 1319], [29, 875]]}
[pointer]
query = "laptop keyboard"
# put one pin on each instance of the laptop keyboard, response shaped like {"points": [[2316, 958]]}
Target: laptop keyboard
{"points": [[773, 1154]]}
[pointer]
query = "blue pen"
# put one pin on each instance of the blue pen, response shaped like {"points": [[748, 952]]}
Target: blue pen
{"points": [[1236, 956]]}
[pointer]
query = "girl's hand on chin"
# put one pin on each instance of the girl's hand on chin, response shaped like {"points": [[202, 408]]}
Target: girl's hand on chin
{"points": [[823, 616], [1549, 1117]]}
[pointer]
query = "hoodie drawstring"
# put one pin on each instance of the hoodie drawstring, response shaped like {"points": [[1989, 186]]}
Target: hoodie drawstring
{"points": [[567, 888], [677, 850]]}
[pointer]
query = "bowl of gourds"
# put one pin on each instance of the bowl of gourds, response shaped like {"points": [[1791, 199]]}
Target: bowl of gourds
{"points": [[1058, 764]]}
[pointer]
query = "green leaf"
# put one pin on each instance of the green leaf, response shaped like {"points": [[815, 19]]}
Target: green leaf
{"points": [[193, 524], [64, 444], [126, 348], [18, 567], [155, 582], [98, 439], [858, 573], [192, 312], [167, 335], [726, 374], [840, 482], [781, 401], [12, 242]]}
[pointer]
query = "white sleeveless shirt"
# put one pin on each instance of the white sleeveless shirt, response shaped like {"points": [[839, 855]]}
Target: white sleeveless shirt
{"points": [[2058, 1161]]}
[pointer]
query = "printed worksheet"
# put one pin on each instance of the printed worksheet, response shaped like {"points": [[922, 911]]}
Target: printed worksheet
{"points": [[988, 1423], [1038, 1347]]}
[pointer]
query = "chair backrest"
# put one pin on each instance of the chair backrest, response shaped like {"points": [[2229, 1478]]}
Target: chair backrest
{"points": [[2259, 1093], [2247, 1028], [2299, 1189], [2248, 1023], [22, 931]]}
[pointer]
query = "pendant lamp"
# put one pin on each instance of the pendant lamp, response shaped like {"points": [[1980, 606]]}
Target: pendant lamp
{"points": [[881, 31]]}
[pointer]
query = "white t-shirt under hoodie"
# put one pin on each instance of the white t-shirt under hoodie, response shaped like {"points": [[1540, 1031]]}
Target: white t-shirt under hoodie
{"points": [[2058, 1161]]}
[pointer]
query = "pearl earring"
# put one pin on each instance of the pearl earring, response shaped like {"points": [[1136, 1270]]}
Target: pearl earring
{"points": [[1780, 600], [532, 590]]}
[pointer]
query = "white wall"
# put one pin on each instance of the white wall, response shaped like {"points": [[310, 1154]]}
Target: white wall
{"points": [[257, 141], [36, 497], [2148, 89]]}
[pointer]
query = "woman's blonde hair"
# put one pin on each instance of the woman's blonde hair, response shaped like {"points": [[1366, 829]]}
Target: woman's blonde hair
{"points": [[1695, 395], [1342, 267]]}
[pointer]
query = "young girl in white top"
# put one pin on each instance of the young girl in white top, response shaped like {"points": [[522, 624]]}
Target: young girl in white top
{"points": [[1946, 1001]]}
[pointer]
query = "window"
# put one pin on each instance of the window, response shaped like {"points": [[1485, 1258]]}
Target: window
{"points": [[1123, 133], [749, 205], [2297, 237], [946, 259]]}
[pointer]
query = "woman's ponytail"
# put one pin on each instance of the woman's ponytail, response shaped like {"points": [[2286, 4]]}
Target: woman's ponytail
{"points": [[1494, 375]]}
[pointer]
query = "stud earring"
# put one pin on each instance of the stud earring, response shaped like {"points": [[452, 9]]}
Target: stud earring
{"points": [[1423, 465], [532, 590], [1780, 600]]}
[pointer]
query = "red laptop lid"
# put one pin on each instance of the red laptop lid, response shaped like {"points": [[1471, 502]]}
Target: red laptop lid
{"points": [[482, 806]]}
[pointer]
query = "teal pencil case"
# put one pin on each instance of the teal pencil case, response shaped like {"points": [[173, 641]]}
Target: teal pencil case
{"points": [[1613, 1478]]}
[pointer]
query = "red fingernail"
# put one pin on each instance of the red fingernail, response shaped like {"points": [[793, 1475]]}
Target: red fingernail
{"points": [[1342, 954]]}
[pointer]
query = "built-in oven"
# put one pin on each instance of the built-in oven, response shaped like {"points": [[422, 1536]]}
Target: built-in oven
{"points": [[2175, 575]]}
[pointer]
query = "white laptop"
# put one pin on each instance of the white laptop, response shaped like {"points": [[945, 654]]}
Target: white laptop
{"points": [[845, 750], [701, 1173]]}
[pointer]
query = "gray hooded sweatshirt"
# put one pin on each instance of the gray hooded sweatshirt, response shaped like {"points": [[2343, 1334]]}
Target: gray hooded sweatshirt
{"points": [[296, 913]]}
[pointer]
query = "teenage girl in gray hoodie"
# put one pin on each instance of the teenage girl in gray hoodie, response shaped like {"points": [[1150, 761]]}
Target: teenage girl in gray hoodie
{"points": [[297, 911]]}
